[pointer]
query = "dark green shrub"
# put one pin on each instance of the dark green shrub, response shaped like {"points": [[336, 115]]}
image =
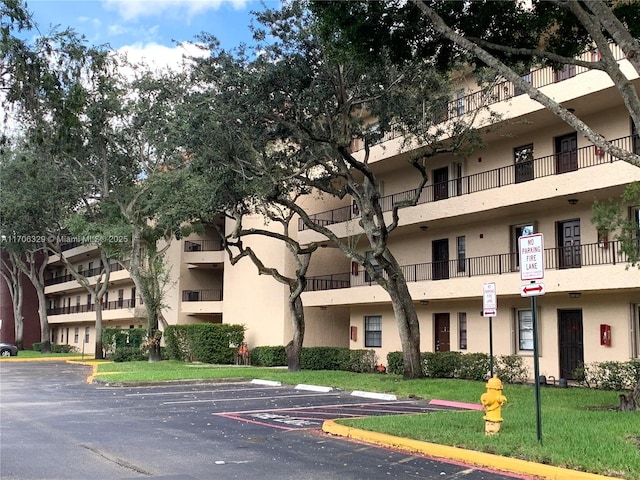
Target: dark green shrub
{"points": [[473, 366], [129, 354], [441, 364], [203, 342], [268, 356], [37, 346], [115, 338], [394, 363], [324, 358]]}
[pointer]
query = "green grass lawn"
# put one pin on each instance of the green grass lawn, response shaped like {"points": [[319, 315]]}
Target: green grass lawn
{"points": [[580, 429]]}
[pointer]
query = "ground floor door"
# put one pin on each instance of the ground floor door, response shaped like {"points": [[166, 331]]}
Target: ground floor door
{"points": [[570, 338], [442, 332]]}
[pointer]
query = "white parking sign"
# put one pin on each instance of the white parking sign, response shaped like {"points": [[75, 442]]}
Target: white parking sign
{"points": [[531, 251]]}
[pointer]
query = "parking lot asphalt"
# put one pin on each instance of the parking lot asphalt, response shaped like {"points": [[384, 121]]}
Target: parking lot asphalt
{"points": [[212, 430]]}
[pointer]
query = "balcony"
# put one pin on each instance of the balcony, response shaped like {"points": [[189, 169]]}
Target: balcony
{"points": [[114, 267], [203, 253], [115, 305], [502, 92], [201, 295], [198, 302], [202, 245], [558, 258], [550, 165]]}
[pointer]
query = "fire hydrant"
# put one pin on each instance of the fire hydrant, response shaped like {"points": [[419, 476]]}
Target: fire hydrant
{"points": [[492, 402]]}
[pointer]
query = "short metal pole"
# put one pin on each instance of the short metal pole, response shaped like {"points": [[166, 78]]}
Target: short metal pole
{"points": [[536, 370], [491, 346]]}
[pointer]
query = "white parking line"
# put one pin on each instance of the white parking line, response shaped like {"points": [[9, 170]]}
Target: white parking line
{"points": [[214, 400], [191, 392]]}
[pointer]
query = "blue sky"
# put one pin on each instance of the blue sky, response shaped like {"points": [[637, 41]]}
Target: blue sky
{"points": [[149, 26]]}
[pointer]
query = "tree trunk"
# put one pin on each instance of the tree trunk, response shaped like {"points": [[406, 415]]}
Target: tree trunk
{"points": [[631, 402], [294, 347], [45, 346], [155, 335], [18, 320], [99, 352], [408, 325]]}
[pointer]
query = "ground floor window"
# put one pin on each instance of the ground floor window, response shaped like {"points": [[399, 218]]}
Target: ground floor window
{"points": [[86, 335], [462, 330], [76, 335], [373, 331], [524, 320]]}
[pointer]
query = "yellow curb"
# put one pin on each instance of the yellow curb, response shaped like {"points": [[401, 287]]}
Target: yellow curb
{"points": [[459, 454], [42, 359], [94, 368]]}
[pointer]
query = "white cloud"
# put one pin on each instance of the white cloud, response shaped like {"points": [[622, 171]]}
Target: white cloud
{"points": [[160, 56], [132, 9]]}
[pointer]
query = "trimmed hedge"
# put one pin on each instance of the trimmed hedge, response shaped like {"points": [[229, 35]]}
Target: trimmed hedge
{"points": [[609, 375], [203, 342], [114, 339], [468, 366], [317, 358], [55, 348], [275, 356]]}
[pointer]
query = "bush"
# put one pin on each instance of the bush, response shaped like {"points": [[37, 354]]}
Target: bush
{"points": [[394, 363], [609, 375], [268, 356], [362, 361], [37, 346], [62, 348], [440, 364], [129, 354], [203, 342], [469, 366], [324, 358], [511, 369], [473, 366], [115, 338]]}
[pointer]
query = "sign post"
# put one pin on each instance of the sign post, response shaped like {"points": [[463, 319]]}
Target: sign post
{"points": [[490, 309], [531, 252]]}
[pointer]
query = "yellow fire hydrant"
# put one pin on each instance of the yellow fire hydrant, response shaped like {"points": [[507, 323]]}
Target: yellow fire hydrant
{"points": [[492, 402]]}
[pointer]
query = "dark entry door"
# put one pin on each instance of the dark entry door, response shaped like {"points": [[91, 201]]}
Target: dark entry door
{"points": [[440, 184], [441, 321], [440, 259], [570, 340], [566, 153], [569, 244]]}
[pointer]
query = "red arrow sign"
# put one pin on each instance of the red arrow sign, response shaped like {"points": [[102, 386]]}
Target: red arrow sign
{"points": [[532, 289], [537, 288]]}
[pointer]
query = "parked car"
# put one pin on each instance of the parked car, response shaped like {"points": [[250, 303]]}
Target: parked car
{"points": [[8, 350]]}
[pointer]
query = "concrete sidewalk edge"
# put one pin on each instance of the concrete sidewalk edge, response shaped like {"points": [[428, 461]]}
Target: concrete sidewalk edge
{"points": [[482, 459]]}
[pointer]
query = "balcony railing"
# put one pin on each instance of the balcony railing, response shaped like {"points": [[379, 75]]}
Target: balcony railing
{"points": [[202, 295], [202, 245], [503, 91], [115, 305], [558, 258], [526, 171], [114, 267]]}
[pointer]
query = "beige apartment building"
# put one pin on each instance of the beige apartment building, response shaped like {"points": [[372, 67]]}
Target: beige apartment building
{"points": [[535, 175]]}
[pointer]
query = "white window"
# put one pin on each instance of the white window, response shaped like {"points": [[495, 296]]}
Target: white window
{"points": [[524, 325], [462, 330], [373, 331]]}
